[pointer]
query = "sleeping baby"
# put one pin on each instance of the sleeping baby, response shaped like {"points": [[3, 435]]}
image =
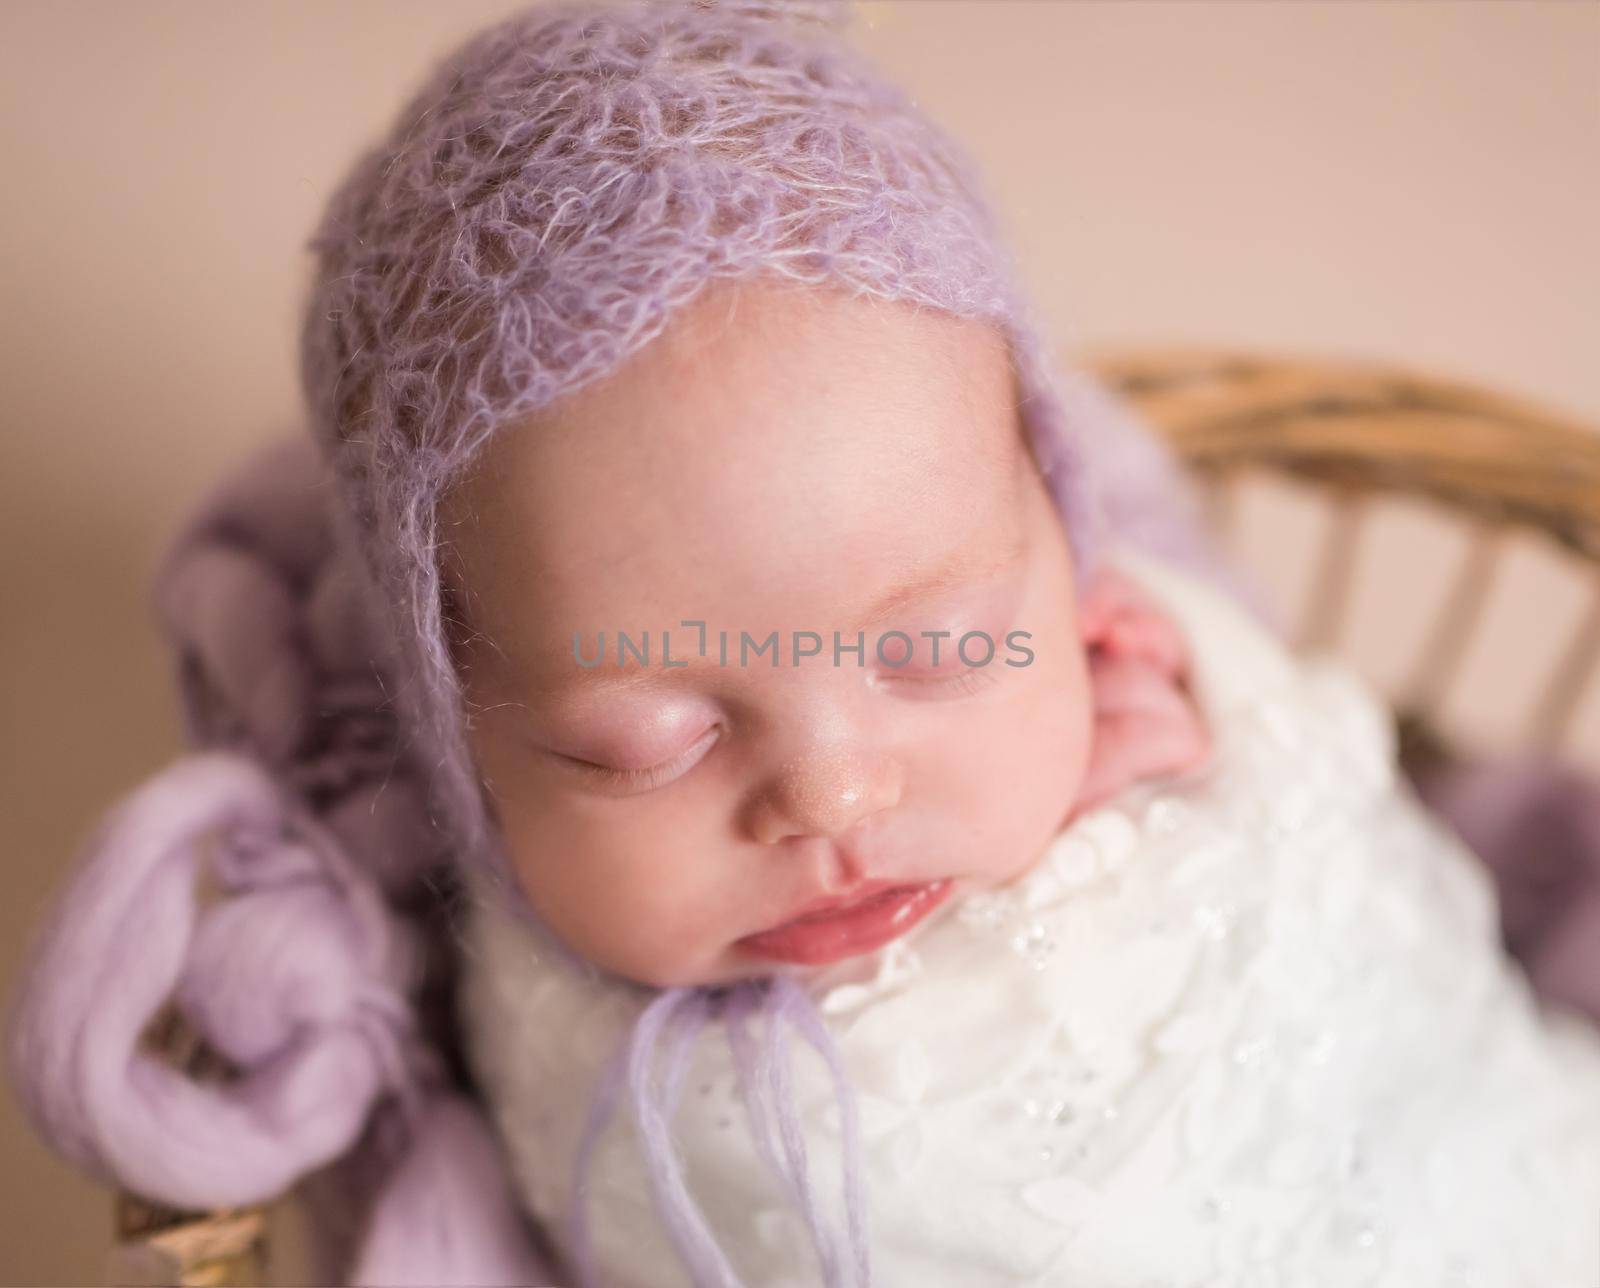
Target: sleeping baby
{"points": [[724, 767]]}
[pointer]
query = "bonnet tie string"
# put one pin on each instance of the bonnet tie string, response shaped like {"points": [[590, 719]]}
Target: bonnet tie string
{"points": [[804, 1015], [675, 1017]]}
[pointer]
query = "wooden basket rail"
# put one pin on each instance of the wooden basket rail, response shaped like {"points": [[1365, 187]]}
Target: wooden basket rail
{"points": [[1356, 429]]}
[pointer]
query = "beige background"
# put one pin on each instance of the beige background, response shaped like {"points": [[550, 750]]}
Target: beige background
{"points": [[1414, 181]]}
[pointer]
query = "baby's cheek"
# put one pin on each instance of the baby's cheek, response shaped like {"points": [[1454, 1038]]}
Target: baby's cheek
{"points": [[632, 899], [1055, 756], [1023, 772]]}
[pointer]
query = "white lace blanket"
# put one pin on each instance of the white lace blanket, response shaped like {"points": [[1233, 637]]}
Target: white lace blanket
{"points": [[1248, 1028]]}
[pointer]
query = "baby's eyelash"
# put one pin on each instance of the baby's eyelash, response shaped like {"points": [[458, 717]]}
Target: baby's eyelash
{"points": [[972, 680], [643, 778], [635, 781]]}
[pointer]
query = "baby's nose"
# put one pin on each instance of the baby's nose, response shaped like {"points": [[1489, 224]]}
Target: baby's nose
{"points": [[824, 793]]}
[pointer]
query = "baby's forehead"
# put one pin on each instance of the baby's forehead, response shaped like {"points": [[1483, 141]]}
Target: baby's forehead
{"points": [[805, 407], [759, 346], [778, 441]]}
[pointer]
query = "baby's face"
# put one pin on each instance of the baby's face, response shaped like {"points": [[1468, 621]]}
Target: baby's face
{"points": [[775, 462]]}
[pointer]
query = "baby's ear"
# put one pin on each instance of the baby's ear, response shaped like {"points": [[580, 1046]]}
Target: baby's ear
{"points": [[1146, 721]]}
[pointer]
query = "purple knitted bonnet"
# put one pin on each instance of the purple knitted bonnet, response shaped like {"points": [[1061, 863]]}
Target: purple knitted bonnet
{"points": [[560, 186]]}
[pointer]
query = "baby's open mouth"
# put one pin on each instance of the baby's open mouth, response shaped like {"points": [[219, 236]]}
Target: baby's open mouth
{"points": [[831, 933]]}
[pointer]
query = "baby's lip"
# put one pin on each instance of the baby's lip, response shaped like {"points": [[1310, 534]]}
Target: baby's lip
{"points": [[861, 920], [829, 904]]}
